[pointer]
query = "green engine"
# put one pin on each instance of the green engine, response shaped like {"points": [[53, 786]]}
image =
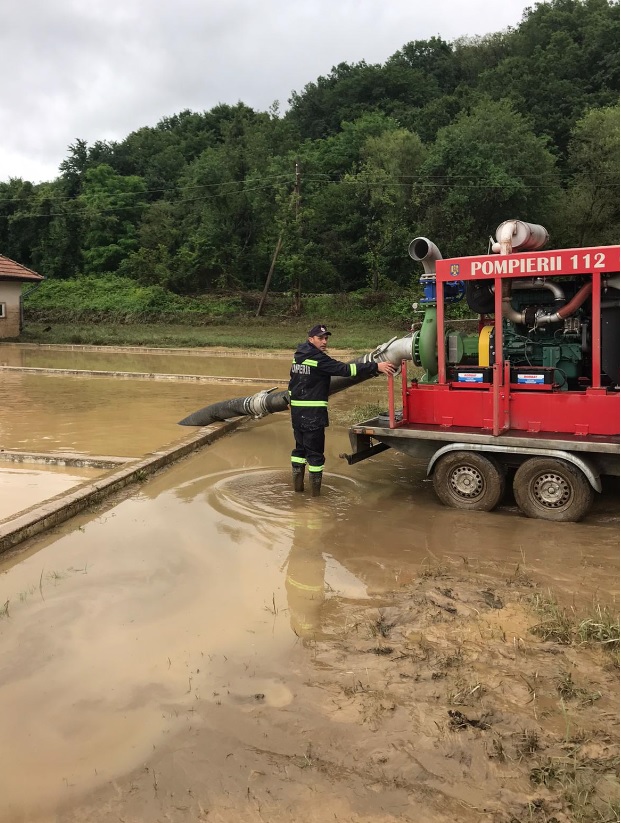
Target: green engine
{"points": [[546, 321], [561, 346], [545, 347]]}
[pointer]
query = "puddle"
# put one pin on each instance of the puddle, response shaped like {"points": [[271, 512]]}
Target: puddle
{"points": [[27, 485]]}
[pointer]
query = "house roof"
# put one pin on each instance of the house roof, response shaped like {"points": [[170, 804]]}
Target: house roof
{"points": [[10, 270]]}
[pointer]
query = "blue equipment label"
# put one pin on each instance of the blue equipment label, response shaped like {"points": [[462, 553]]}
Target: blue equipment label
{"points": [[530, 378], [470, 377]]}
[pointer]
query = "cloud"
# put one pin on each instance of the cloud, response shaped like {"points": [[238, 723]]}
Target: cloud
{"points": [[99, 69]]}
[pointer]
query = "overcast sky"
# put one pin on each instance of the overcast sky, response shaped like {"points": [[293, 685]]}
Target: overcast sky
{"points": [[99, 69]]}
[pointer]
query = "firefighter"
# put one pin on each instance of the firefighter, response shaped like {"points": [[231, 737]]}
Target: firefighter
{"points": [[309, 387]]}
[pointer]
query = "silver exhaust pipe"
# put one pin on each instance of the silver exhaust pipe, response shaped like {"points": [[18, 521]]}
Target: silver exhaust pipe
{"points": [[425, 252]]}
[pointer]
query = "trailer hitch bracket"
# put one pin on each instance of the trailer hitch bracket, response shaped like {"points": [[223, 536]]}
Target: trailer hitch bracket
{"points": [[364, 454]]}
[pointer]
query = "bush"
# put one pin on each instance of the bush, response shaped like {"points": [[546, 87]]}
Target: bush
{"points": [[120, 297], [111, 298]]}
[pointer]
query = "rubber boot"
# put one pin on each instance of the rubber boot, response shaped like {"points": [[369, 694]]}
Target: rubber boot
{"points": [[315, 479], [298, 477]]}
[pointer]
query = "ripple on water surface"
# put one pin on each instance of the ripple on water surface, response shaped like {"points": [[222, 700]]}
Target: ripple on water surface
{"points": [[266, 498]]}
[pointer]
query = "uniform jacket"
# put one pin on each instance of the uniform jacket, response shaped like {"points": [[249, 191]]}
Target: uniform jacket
{"points": [[309, 385]]}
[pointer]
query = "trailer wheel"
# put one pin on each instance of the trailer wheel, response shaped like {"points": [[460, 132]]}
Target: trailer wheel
{"points": [[468, 480], [552, 489]]}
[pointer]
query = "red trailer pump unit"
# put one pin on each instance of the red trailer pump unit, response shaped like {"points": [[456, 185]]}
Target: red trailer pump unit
{"points": [[535, 390], [503, 404]]}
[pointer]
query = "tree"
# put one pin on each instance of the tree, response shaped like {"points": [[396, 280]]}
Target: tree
{"points": [[434, 57], [152, 262], [562, 60], [444, 139], [386, 180], [332, 221], [112, 206], [17, 229], [409, 80], [487, 167], [589, 215], [57, 222], [74, 167]]}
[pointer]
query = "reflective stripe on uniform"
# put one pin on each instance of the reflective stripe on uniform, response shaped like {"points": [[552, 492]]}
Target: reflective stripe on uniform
{"points": [[353, 371], [303, 586], [309, 363], [298, 460], [310, 403], [315, 468]]}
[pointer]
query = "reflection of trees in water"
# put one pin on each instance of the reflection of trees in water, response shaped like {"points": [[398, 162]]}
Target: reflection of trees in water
{"points": [[235, 534]]}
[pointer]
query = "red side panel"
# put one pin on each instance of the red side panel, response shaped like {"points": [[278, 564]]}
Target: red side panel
{"points": [[590, 412], [442, 406], [570, 412]]}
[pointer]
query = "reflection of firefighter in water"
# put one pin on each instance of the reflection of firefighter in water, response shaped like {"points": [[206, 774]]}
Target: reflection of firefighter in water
{"points": [[306, 567]]}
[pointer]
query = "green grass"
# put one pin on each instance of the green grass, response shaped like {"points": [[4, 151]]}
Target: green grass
{"points": [[563, 625], [248, 333]]}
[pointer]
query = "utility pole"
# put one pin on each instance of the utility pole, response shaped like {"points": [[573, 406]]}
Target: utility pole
{"points": [[297, 284], [298, 178], [294, 200], [268, 279]]}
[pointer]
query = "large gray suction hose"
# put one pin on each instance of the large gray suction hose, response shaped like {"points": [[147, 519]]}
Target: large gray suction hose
{"points": [[268, 402], [256, 405]]}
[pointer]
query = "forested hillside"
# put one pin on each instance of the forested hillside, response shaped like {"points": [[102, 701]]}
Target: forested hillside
{"points": [[444, 139]]}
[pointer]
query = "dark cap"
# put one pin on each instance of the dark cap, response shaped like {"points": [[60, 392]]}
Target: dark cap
{"points": [[319, 331]]}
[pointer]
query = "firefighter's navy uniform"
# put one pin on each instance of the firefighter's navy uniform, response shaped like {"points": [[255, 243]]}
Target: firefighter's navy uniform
{"points": [[309, 386]]}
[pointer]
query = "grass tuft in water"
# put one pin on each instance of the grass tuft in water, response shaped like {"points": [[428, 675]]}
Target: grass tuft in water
{"points": [[564, 625]]}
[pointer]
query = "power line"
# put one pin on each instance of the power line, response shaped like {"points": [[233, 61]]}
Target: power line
{"points": [[113, 209], [334, 178], [68, 199], [270, 182]]}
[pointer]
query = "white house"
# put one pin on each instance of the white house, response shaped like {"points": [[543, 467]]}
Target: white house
{"points": [[12, 275]]}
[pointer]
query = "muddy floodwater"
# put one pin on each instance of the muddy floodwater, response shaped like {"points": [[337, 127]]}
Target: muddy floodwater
{"points": [[214, 647], [233, 364], [26, 485], [100, 416]]}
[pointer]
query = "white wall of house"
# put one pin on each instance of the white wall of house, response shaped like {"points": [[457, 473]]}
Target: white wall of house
{"points": [[10, 309]]}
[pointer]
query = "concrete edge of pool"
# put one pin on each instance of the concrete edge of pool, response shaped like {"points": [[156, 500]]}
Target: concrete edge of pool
{"points": [[63, 459], [43, 516], [153, 376]]}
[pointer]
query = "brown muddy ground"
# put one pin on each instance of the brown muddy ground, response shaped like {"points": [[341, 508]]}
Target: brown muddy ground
{"points": [[214, 647]]}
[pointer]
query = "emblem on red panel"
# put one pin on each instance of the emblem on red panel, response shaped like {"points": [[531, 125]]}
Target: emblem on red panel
{"points": [[454, 269]]}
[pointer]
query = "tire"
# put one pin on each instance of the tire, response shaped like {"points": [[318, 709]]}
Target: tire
{"points": [[469, 480], [552, 489]]}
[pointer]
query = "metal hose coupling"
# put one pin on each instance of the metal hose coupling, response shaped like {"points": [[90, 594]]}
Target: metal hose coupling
{"points": [[393, 351], [257, 404], [377, 354]]}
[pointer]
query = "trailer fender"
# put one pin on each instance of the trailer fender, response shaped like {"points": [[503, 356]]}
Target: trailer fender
{"points": [[581, 463]]}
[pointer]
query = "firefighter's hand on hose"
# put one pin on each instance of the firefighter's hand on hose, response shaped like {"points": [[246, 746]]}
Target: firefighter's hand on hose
{"points": [[386, 368]]}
